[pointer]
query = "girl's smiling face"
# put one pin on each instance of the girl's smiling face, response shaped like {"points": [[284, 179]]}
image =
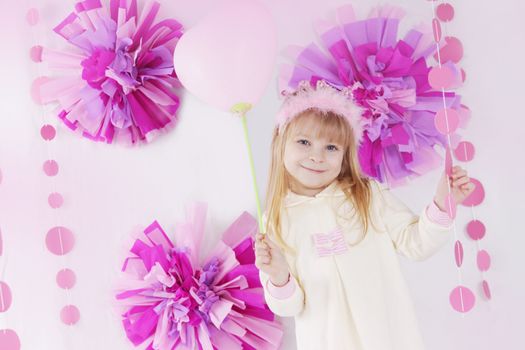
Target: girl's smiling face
{"points": [[313, 161]]}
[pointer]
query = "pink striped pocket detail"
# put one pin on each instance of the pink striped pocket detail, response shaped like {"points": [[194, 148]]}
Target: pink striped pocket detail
{"points": [[332, 243]]}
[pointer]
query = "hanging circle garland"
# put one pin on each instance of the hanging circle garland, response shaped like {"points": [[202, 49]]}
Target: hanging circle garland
{"points": [[122, 86], [390, 79]]}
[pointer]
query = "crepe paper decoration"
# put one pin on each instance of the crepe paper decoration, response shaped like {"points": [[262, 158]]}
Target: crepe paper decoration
{"points": [[483, 260], [465, 151], [445, 12], [458, 253], [32, 17], [450, 205], [486, 289], [50, 167], [462, 299], [476, 230], [9, 340], [60, 240], [389, 77], [55, 200], [452, 50], [5, 297], [446, 121], [66, 278], [175, 299], [70, 315], [121, 84], [477, 196], [48, 132]]}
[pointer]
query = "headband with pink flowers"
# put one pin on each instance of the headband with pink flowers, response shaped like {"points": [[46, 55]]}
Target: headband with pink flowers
{"points": [[324, 98]]}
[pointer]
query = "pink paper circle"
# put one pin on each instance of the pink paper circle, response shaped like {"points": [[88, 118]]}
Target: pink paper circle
{"points": [[462, 299], [477, 196], [451, 51], [476, 229], [66, 279], [458, 253], [70, 315], [445, 12], [50, 167], [450, 205], [9, 340], [5, 297], [60, 240], [36, 89], [32, 16], [483, 260], [436, 30], [446, 121], [48, 132], [486, 289], [465, 151], [55, 200], [441, 77], [36, 53], [448, 162]]}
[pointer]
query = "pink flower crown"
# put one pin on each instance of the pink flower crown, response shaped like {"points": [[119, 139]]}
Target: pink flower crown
{"points": [[324, 98]]}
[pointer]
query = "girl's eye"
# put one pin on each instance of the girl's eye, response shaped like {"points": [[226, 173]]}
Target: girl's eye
{"points": [[303, 142], [331, 148]]}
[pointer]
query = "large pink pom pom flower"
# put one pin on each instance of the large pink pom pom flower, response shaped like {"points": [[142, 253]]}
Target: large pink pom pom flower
{"points": [[175, 300], [389, 79], [119, 81]]}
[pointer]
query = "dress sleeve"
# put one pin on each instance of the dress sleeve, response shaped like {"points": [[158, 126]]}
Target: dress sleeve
{"points": [[416, 237], [285, 301]]}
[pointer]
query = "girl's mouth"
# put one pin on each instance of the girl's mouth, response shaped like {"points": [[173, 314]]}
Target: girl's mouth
{"points": [[313, 170]]}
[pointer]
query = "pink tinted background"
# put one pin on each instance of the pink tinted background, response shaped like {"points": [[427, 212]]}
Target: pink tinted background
{"points": [[110, 192]]}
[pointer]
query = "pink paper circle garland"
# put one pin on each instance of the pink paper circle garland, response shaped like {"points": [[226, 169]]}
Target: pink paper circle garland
{"points": [[122, 86], [9, 340]]}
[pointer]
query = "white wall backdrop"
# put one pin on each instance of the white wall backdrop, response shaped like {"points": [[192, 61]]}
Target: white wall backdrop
{"points": [[112, 191]]}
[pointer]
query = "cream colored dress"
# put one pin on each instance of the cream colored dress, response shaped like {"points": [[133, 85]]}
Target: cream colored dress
{"points": [[353, 297]]}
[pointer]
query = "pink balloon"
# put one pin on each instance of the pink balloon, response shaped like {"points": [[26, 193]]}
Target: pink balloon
{"points": [[32, 16], [451, 51], [462, 299], [445, 12], [60, 240], [66, 279], [477, 196], [436, 30], [50, 167], [446, 121], [48, 132], [9, 340], [465, 151], [228, 57], [458, 253], [5, 297], [486, 289], [483, 260], [55, 200], [36, 53], [441, 77], [70, 315], [476, 229]]}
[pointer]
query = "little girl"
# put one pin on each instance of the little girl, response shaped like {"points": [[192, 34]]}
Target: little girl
{"points": [[329, 257]]}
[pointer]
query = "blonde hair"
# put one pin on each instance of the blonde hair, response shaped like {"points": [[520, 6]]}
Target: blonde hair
{"points": [[356, 187]]}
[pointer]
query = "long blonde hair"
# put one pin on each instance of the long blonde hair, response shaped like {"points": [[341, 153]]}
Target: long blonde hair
{"points": [[356, 187]]}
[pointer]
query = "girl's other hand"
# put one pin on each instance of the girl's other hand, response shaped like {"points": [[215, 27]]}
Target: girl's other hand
{"points": [[460, 186], [270, 259]]}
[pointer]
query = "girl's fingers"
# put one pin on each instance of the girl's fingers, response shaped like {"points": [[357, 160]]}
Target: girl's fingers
{"points": [[461, 181]]}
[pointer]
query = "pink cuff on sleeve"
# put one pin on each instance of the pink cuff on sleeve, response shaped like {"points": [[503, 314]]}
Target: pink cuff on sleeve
{"points": [[438, 216], [282, 292]]}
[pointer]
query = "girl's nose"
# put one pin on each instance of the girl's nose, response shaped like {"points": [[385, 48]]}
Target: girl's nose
{"points": [[316, 156]]}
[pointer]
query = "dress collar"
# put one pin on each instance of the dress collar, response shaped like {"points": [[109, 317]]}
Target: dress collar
{"points": [[332, 190]]}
